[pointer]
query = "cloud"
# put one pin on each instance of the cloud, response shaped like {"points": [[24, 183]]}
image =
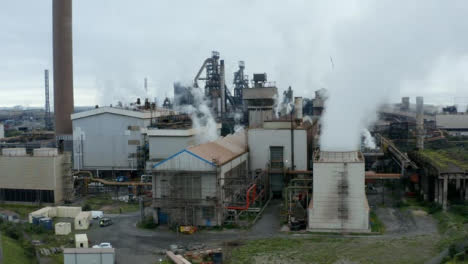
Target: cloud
{"points": [[123, 42]]}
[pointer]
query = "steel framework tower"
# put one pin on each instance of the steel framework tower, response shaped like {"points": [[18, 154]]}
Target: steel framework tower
{"points": [[47, 117], [241, 81]]}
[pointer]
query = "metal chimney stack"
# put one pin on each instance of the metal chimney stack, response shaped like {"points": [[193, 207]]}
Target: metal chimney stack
{"points": [[63, 66], [420, 122]]}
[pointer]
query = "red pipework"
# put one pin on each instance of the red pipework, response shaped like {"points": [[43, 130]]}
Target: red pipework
{"points": [[251, 191]]}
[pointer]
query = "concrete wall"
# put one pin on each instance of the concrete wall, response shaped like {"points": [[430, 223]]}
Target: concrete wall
{"points": [[260, 140], [336, 208], [2, 131], [257, 116], [34, 173], [106, 141], [162, 147]]}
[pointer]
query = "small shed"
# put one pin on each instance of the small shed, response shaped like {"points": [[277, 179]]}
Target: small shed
{"points": [[81, 241], [62, 228], [82, 220]]}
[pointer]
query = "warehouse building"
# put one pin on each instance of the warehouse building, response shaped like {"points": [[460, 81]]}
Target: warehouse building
{"points": [[111, 139], [43, 177], [455, 124], [190, 187]]}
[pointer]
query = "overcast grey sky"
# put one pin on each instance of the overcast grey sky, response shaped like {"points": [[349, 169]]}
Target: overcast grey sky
{"points": [[402, 48]]}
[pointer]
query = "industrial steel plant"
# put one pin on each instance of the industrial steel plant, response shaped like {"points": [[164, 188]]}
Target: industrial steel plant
{"points": [[231, 168]]}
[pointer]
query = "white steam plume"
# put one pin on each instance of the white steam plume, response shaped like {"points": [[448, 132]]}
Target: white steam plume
{"points": [[369, 140], [381, 51], [202, 118]]}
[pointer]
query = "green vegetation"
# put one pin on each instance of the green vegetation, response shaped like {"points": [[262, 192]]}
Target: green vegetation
{"points": [[376, 224], [14, 253], [147, 223], [331, 250], [22, 210], [452, 227], [451, 223], [108, 206], [12, 133], [443, 158]]}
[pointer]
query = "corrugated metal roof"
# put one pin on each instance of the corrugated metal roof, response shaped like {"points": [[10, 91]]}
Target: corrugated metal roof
{"points": [[124, 112], [216, 152], [223, 149]]}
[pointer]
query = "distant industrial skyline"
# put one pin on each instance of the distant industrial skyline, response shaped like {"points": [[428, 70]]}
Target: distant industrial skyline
{"points": [[117, 44]]}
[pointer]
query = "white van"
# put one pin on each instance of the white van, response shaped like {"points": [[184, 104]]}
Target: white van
{"points": [[97, 214]]}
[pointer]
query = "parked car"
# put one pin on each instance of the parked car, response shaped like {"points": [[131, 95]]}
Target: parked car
{"points": [[122, 179], [103, 245], [105, 221], [97, 214]]}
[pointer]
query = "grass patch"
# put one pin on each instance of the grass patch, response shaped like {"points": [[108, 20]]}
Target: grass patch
{"points": [[452, 228], [442, 158], [20, 209], [107, 205], [147, 223], [13, 252], [376, 224], [331, 250]]}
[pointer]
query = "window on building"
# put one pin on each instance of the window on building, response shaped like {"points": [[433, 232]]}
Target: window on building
{"points": [[276, 157]]}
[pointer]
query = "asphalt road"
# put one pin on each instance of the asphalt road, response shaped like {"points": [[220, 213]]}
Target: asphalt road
{"points": [[134, 245]]}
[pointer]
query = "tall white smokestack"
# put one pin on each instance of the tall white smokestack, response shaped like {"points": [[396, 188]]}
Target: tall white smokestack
{"points": [[298, 107]]}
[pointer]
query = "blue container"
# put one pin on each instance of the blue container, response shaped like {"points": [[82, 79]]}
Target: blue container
{"points": [[36, 219], [163, 218], [218, 258], [47, 223]]}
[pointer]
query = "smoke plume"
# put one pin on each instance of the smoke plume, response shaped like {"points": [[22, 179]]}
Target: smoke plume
{"points": [[387, 49], [369, 140], [202, 118]]}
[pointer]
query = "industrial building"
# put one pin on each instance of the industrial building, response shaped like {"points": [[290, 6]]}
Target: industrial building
{"points": [[171, 134], [260, 100], [89, 255], [111, 139], [455, 124], [43, 177], [192, 186], [339, 201]]}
